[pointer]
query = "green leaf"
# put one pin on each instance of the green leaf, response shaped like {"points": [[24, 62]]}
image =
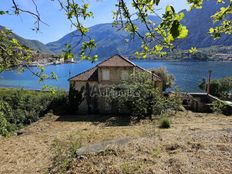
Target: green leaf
{"points": [[157, 2], [175, 29], [183, 32], [193, 50], [15, 41], [3, 12], [170, 9], [158, 48]]}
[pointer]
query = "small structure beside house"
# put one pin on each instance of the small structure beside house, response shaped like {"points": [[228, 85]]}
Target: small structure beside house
{"points": [[91, 85], [202, 102]]}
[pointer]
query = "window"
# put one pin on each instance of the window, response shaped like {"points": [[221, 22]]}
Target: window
{"points": [[124, 75], [105, 74]]}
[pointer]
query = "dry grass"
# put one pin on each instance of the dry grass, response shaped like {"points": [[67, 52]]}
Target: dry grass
{"points": [[195, 143]]}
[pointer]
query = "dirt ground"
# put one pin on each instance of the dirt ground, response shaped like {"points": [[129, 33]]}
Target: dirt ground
{"points": [[195, 143]]}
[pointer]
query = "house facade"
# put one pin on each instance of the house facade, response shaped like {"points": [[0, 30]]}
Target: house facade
{"points": [[93, 83]]}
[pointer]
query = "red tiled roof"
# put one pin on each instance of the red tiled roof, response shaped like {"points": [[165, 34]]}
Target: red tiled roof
{"points": [[116, 61], [88, 75]]}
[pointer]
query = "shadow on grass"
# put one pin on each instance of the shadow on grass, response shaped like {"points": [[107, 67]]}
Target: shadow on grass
{"points": [[108, 120]]}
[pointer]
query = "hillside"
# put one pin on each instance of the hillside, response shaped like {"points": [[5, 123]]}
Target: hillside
{"points": [[195, 143], [198, 22], [110, 41], [32, 44]]}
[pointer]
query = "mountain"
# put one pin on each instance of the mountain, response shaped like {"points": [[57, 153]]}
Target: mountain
{"points": [[32, 44], [110, 41], [198, 22]]}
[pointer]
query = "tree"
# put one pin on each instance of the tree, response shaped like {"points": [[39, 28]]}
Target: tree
{"points": [[140, 96], [12, 53], [75, 98], [167, 79], [158, 38], [219, 87]]}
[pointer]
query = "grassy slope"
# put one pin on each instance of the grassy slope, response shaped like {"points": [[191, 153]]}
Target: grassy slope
{"points": [[200, 143]]}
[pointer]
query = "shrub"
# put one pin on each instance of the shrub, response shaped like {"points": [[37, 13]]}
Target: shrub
{"points": [[164, 123], [64, 152], [220, 87], [167, 79], [22, 107], [141, 98], [3, 125], [75, 98], [218, 107]]}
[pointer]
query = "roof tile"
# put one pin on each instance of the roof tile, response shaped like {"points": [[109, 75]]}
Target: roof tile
{"points": [[116, 61], [88, 75]]}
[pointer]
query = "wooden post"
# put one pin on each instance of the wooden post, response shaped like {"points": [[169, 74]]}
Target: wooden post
{"points": [[209, 79]]}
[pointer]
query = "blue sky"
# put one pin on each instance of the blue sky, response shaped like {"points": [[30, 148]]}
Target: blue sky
{"points": [[58, 25]]}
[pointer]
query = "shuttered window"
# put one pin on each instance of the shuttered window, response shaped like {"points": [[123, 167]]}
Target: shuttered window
{"points": [[105, 74], [124, 75]]}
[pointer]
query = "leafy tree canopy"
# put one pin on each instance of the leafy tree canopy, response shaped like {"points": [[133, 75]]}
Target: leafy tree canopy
{"points": [[219, 87], [141, 97], [167, 79]]}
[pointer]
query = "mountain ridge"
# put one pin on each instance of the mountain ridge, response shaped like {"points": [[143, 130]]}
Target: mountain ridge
{"points": [[32, 44], [111, 42]]}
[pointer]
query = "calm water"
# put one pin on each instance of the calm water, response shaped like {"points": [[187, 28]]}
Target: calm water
{"points": [[187, 74]]}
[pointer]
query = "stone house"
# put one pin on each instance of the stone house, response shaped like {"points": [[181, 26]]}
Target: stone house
{"points": [[90, 83]]}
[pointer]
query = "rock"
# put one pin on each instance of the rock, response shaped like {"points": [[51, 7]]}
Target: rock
{"points": [[100, 147]]}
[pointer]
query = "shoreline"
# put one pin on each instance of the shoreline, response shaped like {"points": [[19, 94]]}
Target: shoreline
{"points": [[28, 89], [183, 72], [36, 64], [132, 59], [179, 60]]}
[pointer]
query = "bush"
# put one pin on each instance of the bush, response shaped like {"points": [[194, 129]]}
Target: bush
{"points": [[3, 125], [22, 107], [64, 152], [220, 87], [218, 107], [167, 79], [164, 123], [141, 98]]}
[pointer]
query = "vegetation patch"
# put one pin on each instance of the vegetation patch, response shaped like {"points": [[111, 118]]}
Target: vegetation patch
{"points": [[21, 107], [64, 152], [164, 122], [142, 98], [218, 106], [219, 87]]}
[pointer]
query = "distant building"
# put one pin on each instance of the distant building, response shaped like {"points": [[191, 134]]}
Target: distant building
{"points": [[109, 72]]}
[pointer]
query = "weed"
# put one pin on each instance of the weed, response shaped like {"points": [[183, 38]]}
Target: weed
{"points": [[156, 153], [164, 123], [64, 152], [217, 107], [125, 168]]}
